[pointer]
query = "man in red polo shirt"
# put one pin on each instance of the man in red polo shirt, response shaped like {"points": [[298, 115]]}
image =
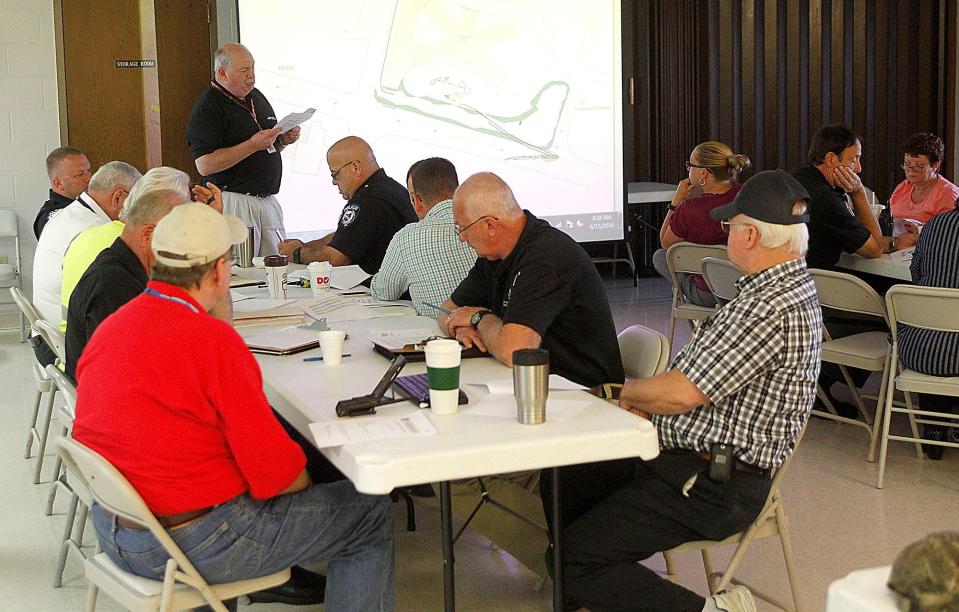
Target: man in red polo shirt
{"points": [[186, 422]]}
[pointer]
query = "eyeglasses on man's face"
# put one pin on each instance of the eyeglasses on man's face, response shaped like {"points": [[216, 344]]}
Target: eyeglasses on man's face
{"points": [[726, 225], [919, 167], [335, 175], [460, 230]]}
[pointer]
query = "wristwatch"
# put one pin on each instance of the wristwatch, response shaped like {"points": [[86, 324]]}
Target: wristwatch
{"points": [[892, 245], [477, 316], [296, 254]]}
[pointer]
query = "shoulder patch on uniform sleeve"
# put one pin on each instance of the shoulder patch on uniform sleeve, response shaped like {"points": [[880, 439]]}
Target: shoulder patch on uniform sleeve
{"points": [[350, 212]]}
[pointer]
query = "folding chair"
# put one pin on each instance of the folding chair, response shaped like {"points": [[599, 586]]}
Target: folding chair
{"points": [[771, 521], [866, 351], [931, 308], [9, 231], [721, 276], [644, 351], [182, 586], [686, 258]]}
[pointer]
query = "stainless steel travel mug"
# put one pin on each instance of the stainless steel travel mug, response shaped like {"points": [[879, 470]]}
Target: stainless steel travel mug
{"points": [[243, 252], [531, 384]]}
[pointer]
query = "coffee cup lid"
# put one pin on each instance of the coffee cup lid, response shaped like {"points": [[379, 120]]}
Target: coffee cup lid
{"points": [[530, 357]]}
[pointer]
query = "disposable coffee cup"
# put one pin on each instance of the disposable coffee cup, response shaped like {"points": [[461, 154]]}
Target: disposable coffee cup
{"points": [[331, 345], [276, 267], [443, 373], [319, 276], [531, 385]]}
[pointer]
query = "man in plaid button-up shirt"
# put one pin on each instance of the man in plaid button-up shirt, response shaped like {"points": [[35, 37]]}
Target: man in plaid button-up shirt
{"points": [[746, 380]]}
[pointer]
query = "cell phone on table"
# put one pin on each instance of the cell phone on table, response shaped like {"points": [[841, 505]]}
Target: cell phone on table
{"points": [[366, 404]]}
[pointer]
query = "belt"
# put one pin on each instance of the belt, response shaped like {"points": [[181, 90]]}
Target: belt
{"points": [[168, 521], [260, 195], [742, 466]]}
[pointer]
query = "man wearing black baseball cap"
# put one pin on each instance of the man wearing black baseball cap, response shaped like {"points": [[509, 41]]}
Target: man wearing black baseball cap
{"points": [[744, 385]]}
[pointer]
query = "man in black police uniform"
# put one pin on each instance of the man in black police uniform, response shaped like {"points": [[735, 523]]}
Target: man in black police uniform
{"points": [[376, 208], [532, 286], [236, 146], [69, 172]]}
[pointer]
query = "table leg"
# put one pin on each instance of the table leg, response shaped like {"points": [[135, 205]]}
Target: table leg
{"points": [[557, 545], [446, 525]]}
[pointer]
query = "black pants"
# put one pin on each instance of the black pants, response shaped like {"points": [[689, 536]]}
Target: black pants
{"points": [[620, 512], [42, 350]]}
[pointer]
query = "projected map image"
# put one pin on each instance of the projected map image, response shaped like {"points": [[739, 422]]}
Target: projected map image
{"points": [[527, 89]]}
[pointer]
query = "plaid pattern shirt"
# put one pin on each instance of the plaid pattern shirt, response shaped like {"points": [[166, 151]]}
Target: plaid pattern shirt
{"points": [[756, 359], [427, 258]]}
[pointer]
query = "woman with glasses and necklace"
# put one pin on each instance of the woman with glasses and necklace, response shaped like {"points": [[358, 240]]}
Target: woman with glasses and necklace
{"points": [[711, 182], [925, 193]]}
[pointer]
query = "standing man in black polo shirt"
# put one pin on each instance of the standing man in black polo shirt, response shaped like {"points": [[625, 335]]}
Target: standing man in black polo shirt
{"points": [[236, 145], [376, 208], [532, 286]]}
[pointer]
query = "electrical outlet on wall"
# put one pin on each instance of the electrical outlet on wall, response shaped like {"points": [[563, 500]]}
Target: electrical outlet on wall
{"points": [[4, 259]]}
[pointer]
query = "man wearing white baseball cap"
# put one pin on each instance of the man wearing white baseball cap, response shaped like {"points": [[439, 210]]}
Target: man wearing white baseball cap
{"points": [[188, 425]]}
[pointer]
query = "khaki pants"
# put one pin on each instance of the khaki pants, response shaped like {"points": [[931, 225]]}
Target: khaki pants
{"points": [[519, 492], [264, 215]]}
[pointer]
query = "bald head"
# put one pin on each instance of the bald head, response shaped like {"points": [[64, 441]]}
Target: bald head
{"points": [[351, 162], [485, 193], [488, 216]]}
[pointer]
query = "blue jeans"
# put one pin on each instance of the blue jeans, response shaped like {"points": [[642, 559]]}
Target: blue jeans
{"points": [[245, 538]]}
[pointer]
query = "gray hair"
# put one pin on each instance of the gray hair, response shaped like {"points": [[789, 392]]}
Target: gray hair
{"points": [[795, 237], [222, 59], [161, 178], [151, 206], [112, 175]]}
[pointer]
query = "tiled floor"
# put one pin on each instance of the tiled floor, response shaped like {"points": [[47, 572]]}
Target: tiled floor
{"points": [[839, 521]]}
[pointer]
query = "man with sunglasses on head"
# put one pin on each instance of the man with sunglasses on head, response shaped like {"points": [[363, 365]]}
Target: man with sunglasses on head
{"points": [[376, 208]]}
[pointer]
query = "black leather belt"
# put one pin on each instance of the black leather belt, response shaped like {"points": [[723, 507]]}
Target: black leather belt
{"points": [[742, 466]]}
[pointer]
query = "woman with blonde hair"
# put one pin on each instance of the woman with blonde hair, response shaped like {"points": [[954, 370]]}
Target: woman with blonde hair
{"points": [[712, 170]]}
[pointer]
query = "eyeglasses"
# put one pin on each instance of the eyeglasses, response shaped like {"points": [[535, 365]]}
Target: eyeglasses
{"points": [[908, 166], [334, 175], [460, 230], [692, 165], [726, 224]]}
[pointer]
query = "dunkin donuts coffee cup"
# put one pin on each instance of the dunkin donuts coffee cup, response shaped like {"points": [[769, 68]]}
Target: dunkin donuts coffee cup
{"points": [[443, 374], [319, 276]]}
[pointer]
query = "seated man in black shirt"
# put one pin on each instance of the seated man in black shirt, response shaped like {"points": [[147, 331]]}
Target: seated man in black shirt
{"points": [[532, 286], [377, 206], [833, 172], [69, 172]]}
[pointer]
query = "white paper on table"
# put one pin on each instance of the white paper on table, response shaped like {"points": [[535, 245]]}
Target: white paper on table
{"points": [[902, 255], [364, 429], [558, 407], [505, 385], [334, 307], [395, 339], [297, 275], [261, 305], [294, 119], [347, 277], [236, 296]]}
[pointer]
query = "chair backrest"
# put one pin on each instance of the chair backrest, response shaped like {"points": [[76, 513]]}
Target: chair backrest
{"points": [[8, 223], [687, 256], [781, 470], [848, 293], [52, 335], [66, 388], [721, 276], [924, 307], [26, 307], [645, 351], [113, 492]]}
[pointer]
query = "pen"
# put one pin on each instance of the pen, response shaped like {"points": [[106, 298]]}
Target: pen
{"points": [[443, 310], [321, 358]]}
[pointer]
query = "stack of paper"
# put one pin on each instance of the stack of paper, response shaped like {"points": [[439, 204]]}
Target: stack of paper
{"points": [[265, 310], [336, 308], [283, 341]]}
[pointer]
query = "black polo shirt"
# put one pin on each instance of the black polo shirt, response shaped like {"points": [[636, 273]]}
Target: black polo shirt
{"points": [[378, 209], [832, 228], [549, 283], [114, 278], [220, 120], [55, 203]]}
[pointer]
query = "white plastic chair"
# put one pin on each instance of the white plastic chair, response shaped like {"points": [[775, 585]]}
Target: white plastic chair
{"points": [[9, 231], [686, 258], [926, 308], [771, 521], [182, 586], [866, 351], [644, 351], [721, 276], [80, 497]]}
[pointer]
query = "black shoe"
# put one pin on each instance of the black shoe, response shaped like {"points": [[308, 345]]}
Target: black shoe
{"points": [[230, 604], [937, 434], [304, 588]]}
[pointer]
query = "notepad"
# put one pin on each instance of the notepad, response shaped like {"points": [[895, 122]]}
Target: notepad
{"points": [[284, 341]]}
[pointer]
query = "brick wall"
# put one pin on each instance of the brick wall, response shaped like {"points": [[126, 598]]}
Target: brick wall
{"points": [[29, 120]]}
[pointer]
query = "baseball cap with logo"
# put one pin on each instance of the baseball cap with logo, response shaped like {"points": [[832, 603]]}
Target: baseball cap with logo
{"points": [[194, 234], [769, 196]]}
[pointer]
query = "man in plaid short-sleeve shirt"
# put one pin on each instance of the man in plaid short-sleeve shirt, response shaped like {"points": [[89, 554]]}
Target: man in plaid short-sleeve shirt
{"points": [[746, 380]]}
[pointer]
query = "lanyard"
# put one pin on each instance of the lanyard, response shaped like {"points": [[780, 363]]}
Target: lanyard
{"points": [[170, 298], [238, 102]]}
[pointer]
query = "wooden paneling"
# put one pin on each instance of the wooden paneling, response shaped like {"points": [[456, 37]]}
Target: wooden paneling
{"points": [[774, 71]]}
